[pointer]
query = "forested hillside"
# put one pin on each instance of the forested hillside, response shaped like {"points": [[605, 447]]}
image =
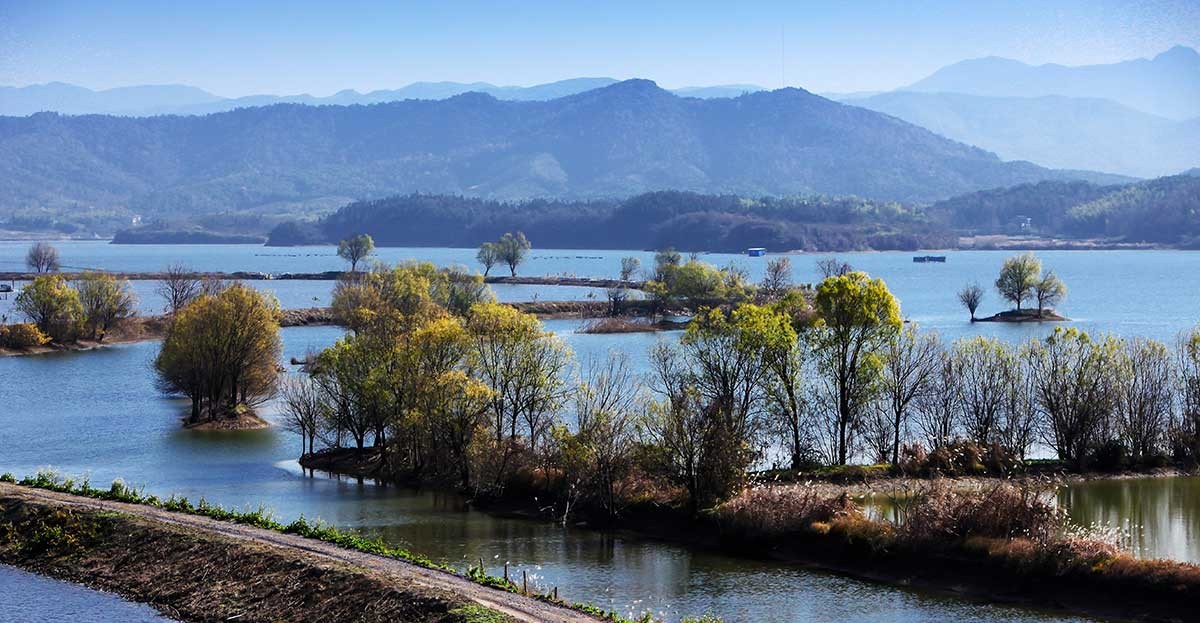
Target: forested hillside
{"points": [[683, 220], [1163, 211], [628, 138]]}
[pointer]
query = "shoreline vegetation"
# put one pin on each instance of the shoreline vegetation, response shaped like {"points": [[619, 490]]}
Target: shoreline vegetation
{"points": [[1012, 536]]}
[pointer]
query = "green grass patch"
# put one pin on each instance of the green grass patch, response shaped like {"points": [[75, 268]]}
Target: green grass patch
{"points": [[475, 613]]}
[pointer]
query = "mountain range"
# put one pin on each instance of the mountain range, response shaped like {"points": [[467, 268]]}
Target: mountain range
{"points": [[1167, 85], [173, 99], [1138, 118], [1052, 130], [615, 141]]}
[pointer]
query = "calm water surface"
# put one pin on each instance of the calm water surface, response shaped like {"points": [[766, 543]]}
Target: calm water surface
{"points": [[98, 414], [29, 598], [1154, 294]]}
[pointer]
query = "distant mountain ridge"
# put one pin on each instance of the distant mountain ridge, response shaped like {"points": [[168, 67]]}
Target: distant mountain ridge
{"points": [[1052, 130], [627, 138], [149, 100], [1167, 85]]}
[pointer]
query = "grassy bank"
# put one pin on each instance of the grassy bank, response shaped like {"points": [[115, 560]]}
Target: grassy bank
{"points": [[74, 544]]}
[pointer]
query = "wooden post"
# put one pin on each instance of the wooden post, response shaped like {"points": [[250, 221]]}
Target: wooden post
{"points": [[524, 582], [506, 571], [555, 593]]}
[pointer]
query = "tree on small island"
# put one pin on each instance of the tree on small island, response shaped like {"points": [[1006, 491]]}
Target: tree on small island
{"points": [[42, 258], [1018, 277], [1049, 291], [1021, 277], [512, 250], [489, 256], [971, 296], [222, 352], [356, 249]]}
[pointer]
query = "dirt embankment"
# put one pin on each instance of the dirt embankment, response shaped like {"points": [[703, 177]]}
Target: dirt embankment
{"points": [[194, 568]]}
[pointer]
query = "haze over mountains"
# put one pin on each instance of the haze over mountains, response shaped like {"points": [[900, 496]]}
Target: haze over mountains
{"points": [[1167, 85], [140, 101], [1137, 118], [1052, 130], [616, 141]]}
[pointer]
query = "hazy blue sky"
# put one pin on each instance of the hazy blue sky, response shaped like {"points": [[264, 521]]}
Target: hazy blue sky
{"points": [[243, 47]]}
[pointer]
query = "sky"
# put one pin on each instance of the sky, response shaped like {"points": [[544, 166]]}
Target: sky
{"points": [[242, 48]]}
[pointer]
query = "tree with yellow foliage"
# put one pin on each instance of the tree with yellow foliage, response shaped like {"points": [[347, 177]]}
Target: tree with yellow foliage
{"points": [[222, 352]]}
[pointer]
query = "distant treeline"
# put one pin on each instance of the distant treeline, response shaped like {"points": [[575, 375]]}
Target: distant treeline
{"points": [[1165, 210], [682, 220]]}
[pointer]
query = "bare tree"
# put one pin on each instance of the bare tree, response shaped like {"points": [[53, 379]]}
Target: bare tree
{"points": [[1018, 417], [1185, 429], [305, 408], [833, 267], [981, 364], [778, 277], [1144, 396], [179, 287], [629, 267], [937, 410], [971, 296], [605, 407], [909, 364], [42, 258], [1074, 391]]}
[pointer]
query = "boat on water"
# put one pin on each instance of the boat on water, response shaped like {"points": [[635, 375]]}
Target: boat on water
{"points": [[756, 251], [4, 287], [921, 259]]}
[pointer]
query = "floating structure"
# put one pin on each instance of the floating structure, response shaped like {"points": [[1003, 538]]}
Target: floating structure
{"points": [[921, 259], [756, 251], [4, 287]]}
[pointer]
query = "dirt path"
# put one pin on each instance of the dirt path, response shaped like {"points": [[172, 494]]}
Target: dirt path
{"points": [[517, 606]]}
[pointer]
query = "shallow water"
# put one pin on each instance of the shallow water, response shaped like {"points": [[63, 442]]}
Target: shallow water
{"points": [[30, 598]]}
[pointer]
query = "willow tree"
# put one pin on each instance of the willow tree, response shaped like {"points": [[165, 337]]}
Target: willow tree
{"points": [[857, 316], [524, 367], [356, 249], [1075, 390], [106, 300], [53, 305], [1018, 277], [982, 365], [222, 352]]}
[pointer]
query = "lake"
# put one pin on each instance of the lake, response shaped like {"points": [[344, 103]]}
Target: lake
{"points": [[1154, 294], [98, 414]]}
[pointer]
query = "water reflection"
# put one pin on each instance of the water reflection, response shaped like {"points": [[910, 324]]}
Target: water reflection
{"points": [[1159, 517]]}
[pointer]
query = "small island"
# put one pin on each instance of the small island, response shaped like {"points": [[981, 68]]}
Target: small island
{"points": [[1021, 278]]}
